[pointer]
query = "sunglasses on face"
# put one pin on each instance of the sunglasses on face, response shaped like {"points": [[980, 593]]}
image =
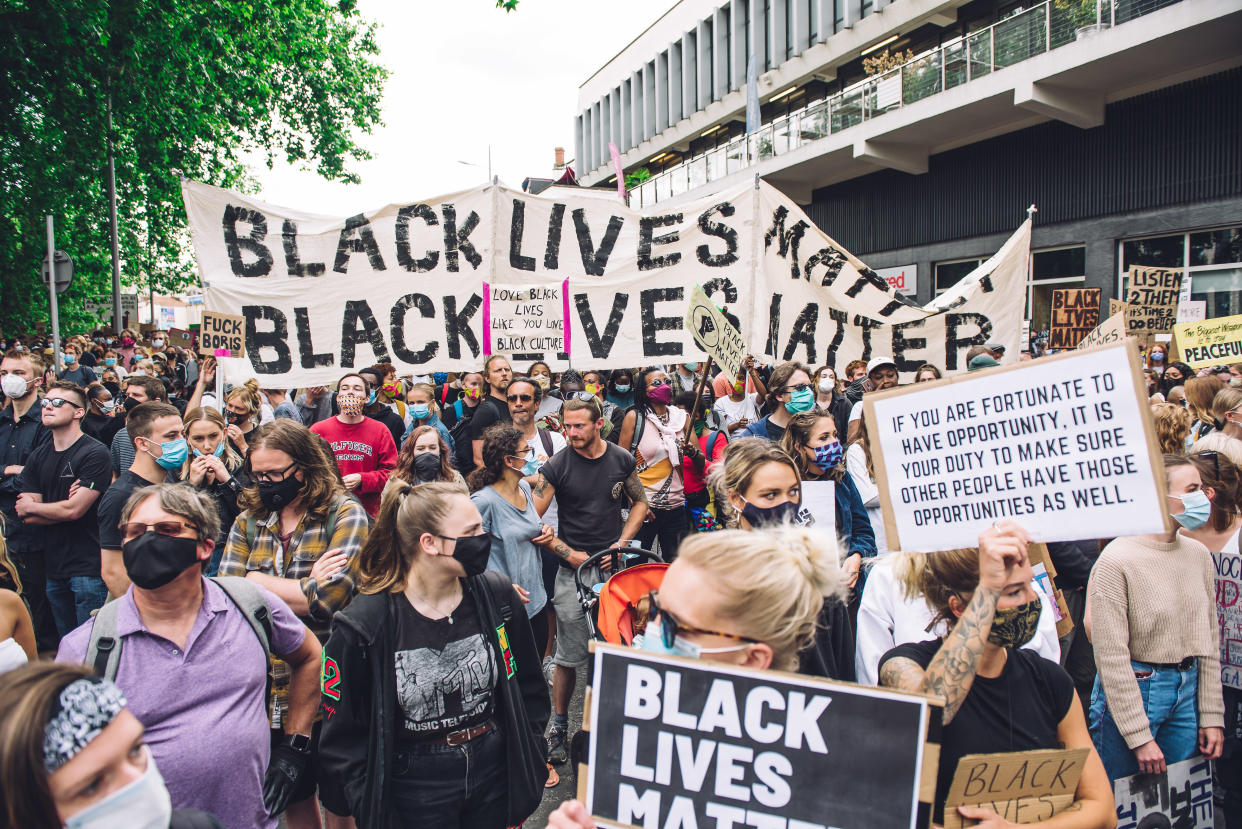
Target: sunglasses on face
{"points": [[57, 402], [523, 398], [799, 387], [584, 396], [668, 626], [169, 528], [657, 382]]}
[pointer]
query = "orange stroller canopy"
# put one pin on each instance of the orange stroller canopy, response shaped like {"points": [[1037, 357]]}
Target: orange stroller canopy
{"points": [[618, 600]]}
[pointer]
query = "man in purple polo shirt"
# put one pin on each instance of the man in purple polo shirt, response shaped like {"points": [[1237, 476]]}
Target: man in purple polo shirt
{"points": [[194, 669]]}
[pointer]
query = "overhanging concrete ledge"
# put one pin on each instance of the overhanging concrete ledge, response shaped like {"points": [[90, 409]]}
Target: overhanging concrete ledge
{"points": [[1076, 107]]}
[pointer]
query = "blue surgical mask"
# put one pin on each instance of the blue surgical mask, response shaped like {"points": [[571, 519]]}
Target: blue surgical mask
{"points": [[654, 643], [109, 361], [70, 359], [218, 453], [373, 397], [531, 466], [419, 411], [800, 401], [622, 388], [692, 366], [1196, 508], [172, 453], [828, 455]]}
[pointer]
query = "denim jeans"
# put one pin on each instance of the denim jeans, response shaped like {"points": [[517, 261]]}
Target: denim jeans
{"points": [[464, 786], [73, 599], [1170, 698]]}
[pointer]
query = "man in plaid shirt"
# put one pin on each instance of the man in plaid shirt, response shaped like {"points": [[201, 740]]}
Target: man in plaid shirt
{"points": [[299, 536]]}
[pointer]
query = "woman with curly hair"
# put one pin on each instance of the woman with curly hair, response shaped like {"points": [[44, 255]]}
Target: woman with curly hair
{"points": [[424, 458], [1172, 427]]}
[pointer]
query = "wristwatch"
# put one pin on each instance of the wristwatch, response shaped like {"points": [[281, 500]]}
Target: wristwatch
{"points": [[299, 742]]}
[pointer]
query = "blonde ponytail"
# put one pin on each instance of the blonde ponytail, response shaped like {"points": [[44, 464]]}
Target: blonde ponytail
{"points": [[773, 583]]}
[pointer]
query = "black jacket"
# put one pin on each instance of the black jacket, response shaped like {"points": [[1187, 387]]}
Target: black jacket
{"points": [[17, 440], [832, 653], [360, 700]]}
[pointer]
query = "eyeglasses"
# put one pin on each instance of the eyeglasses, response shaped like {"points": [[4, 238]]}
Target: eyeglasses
{"points": [[524, 398], [57, 402], [669, 627], [271, 476], [169, 528], [799, 387], [584, 396], [657, 382]]}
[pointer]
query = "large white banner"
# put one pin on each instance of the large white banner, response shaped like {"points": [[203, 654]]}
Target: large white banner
{"points": [[405, 284]]}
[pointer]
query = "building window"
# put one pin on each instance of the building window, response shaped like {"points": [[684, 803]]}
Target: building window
{"points": [[1210, 262], [1050, 270], [949, 273]]}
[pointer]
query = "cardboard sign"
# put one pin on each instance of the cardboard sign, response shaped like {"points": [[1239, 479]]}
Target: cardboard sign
{"points": [[526, 321], [1062, 445], [222, 335], [1181, 798], [1229, 616], [1046, 575], [1211, 342], [1112, 330], [687, 742], [1021, 786], [714, 333], [402, 283], [1153, 293], [1075, 314], [180, 338]]}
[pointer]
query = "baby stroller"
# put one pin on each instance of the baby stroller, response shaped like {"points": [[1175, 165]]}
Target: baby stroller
{"points": [[616, 608]]}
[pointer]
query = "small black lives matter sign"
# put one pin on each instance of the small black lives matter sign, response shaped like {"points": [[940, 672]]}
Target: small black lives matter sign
{"points": [[688, 743], [1062, 445]]}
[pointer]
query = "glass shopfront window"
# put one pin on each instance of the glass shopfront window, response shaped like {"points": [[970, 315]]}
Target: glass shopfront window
{"points": [[1210, 262]]}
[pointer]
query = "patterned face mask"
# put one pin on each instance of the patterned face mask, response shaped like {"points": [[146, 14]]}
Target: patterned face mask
{"points": [[351, 404], [1013, 627]]}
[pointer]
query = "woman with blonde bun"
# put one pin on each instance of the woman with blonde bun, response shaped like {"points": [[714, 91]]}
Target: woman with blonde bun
{"points": [[242, 406], [752, 599]]}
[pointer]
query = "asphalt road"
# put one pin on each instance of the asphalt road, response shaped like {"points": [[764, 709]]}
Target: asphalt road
{"points": [[566, 788]]}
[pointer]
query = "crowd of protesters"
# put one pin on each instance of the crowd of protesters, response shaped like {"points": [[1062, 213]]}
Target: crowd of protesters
{"points": [[284, 603]]}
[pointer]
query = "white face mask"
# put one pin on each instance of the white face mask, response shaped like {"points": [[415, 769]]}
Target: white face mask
{"points": [[14, 386], [827, 384], [143, 804], [157, 343]]}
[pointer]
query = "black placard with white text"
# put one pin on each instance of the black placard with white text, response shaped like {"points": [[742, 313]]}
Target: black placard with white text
{"points": [[677, 742]]}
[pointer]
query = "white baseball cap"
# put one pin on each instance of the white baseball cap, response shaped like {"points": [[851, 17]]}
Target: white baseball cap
{"points": [[877, 362]]}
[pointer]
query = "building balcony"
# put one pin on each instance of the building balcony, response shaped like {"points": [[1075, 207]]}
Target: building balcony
{"points": [[1062, 59]]}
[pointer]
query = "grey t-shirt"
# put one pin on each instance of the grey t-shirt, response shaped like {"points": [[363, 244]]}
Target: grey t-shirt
{"points": [[513, 553]]}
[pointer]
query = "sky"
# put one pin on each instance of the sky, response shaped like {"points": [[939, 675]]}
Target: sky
{"points": [[465, 74]]}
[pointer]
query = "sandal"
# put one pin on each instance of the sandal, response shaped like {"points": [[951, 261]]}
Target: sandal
{"points": [[553, 778]]}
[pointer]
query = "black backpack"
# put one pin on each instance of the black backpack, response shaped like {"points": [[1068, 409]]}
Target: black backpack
{"points": [[463, 446]]}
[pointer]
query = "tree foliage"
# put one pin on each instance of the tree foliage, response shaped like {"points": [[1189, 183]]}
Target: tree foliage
{"points": [[195, 86]]}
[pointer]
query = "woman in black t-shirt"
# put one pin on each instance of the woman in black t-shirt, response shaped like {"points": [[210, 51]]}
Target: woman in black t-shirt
{"points": [[998, 697], [419, 668]]}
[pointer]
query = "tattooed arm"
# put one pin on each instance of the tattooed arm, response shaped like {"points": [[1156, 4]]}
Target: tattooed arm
{"points": [[952, 673], [543, 491], [638, 508]]}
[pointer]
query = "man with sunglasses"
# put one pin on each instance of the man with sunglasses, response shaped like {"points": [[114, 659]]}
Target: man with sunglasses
{"points": [[61, 485], [157, 433]]}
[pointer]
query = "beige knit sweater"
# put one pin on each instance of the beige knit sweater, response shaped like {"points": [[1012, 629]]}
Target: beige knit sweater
{"points": [[1154, 601]]}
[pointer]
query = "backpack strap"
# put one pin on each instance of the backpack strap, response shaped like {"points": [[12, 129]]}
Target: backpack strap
{"points": [[711, 442], [546, 440], [103, 650], [640, 423], [252, 605], [501, 589]]}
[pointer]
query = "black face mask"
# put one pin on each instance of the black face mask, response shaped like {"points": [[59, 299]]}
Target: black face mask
{"points": [[427, 467], [237, 419], [473, 551], [153, 560], [115, 390], [131, 403], [279, 494]]}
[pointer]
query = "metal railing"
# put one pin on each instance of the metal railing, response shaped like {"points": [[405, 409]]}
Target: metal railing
{"points": [[1019, 37]]}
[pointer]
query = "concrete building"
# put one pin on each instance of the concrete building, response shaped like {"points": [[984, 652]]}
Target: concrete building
{"points": [[1120, 119]]}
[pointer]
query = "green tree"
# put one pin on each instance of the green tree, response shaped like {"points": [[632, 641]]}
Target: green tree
{"points": [[194, 86]]}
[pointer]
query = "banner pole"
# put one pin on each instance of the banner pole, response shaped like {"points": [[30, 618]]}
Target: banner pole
{"points": [[698, 397], [220, 386], [51, 288]]}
